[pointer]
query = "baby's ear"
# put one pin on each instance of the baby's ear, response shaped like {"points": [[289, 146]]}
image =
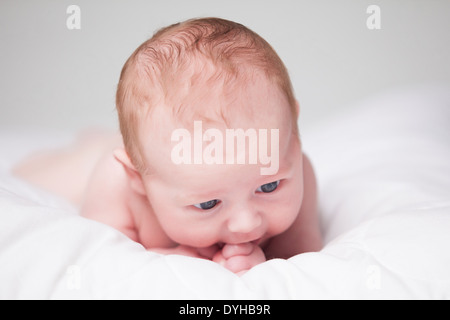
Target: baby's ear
{"points": [[121, 155]]}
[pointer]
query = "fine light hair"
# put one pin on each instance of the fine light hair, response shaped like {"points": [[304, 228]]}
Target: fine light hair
{"points": [[209, 51]]}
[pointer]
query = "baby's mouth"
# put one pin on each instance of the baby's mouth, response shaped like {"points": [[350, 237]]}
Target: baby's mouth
{"points": [[262, 242], [255, 242], [258, 241]]}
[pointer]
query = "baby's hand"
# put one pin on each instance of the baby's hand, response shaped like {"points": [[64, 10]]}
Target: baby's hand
{"points": [[239, 258]]}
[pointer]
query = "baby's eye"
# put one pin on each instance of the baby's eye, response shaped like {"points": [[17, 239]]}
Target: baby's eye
{"points": [[268, 187], [207, 205]]}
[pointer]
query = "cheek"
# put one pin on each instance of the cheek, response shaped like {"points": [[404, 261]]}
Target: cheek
{"points": [[195, 234], [283, 218], [180, 225], [186, 230], [285, 211]]}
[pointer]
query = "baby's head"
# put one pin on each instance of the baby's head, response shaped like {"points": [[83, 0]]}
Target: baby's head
{"points": [[184, 97]]}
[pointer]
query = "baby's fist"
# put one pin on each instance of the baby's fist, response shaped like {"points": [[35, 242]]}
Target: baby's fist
{"points": [[239, 258]]}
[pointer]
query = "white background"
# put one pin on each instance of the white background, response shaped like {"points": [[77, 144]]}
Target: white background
{"points": [[64, 79]]}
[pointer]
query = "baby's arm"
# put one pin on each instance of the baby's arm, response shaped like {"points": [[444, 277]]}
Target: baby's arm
{"points": [[304, 235]]}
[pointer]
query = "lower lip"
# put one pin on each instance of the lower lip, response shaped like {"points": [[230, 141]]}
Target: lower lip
{"points": [[257, 241]]}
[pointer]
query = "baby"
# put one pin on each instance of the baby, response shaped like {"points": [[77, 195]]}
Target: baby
{"points": [[211, 164]]}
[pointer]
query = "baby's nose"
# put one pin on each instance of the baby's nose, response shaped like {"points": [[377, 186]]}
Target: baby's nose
{"points": [[245, 221]]}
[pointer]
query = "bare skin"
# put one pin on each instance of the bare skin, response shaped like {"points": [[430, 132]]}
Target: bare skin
{"points": [[111, 199], [159, 210], [130, 212]]}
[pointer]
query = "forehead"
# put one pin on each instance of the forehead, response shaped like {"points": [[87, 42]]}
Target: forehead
{"points": [[254, 106], [182, 179], [252, 101]]}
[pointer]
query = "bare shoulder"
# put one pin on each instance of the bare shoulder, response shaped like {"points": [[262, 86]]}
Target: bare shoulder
{"points": [[110, 199], [304, 235], [107, 194], [308, 222], [310, 184]]}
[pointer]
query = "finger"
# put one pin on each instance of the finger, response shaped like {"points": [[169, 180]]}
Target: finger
{"points": [[258, 254], [237, 264], [218, 258], [242, 249]]}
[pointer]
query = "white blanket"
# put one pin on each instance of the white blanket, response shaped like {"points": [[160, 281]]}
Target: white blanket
{"points": [[384, 186]]}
